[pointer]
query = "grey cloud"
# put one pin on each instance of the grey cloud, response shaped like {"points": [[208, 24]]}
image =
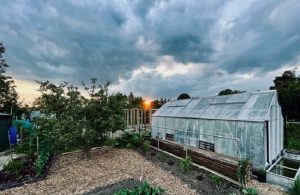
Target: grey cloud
{"points": [[75, 40]]}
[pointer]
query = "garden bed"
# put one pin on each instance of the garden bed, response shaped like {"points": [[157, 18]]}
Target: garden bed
{"points": [[202, 181], [70, 174], [27, 173]]}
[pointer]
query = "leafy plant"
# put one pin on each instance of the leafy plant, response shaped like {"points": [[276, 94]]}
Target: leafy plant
{"points": [[129, 140], [250, 191], [42, 159], [144, 188], [244, 171], [217, 180], [295, 190], [14, 168], [185, 164], [146, 145]]}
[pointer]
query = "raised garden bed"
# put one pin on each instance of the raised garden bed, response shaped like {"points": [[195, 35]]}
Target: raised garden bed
{"points": [[27, 173], [198, 179]]}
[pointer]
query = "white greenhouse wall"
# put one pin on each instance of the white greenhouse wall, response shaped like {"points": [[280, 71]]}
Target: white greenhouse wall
{"points": [[232, 138]]}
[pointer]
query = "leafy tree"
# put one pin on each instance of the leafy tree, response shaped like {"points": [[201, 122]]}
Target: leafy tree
{"points": [[288, 88], [229, 92], [79, 121], [8, 94], [183, 96], [134, 101]]}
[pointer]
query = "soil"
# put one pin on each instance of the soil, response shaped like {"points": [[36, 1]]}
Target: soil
{"points": [[70, 174], [196, 178], [110, 189], [27, 174]]}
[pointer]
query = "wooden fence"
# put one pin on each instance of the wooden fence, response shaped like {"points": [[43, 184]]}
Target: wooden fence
{"points": [[217, 162]]}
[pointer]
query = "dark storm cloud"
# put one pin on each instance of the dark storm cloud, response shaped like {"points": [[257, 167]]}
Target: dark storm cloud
{"points": [[75, 40]]}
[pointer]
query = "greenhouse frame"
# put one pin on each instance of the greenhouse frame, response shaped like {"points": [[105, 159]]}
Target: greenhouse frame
{"points": [[245, 125]]}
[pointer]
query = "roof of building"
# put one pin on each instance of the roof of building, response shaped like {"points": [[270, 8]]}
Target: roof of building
{"points": [[243, 106]]}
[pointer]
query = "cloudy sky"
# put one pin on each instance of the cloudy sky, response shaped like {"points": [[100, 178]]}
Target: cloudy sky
{"points": [[153, 48]]}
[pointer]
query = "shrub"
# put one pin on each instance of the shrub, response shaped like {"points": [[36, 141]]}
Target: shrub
{"points": [[40, 163], [250, 191], [14, 168], [42, 159], [144, 188], [185, 164], [217, 180], [296, 187], [129, 140], [146, 145], [244, 171]]}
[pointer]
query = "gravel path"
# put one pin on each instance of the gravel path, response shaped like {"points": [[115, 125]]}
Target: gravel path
{"points": [[71, 175]]}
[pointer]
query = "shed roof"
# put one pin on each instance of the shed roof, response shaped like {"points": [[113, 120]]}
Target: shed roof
{"points": [[243, 106]]}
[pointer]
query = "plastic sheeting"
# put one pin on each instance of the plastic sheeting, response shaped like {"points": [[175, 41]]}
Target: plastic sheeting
{"points": [[243, 106], [233, 138], [235, 124]]}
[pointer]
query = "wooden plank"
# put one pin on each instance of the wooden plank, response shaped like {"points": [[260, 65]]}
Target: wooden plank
{"points": [[227, 167]]}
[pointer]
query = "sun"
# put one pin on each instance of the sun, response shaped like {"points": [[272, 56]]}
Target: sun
{"points": [[147, 104]]}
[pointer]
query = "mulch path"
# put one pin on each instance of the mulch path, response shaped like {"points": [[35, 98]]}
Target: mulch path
{"points": [[71, 175]]}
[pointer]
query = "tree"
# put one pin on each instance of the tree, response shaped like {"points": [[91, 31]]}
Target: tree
{"points": [[79, 121], [135, 101], [288, 89], [229, 92], [8, 94], [183, 96]]}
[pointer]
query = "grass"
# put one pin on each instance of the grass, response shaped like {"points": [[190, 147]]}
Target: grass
{"points": [[293, 136]]}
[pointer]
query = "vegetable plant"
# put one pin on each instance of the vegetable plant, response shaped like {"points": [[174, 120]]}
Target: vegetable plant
{"points": [[14, 168], [185, 163], [144, 188]]}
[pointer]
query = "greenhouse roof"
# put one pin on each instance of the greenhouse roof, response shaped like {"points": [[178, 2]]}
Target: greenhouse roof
{"points": [[243, 106]]}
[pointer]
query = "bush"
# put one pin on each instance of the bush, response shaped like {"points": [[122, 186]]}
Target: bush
{"points": [[295, 190], [185, 164], [217, 180], [14, 168], [146, 145], [244, 171], [293, 136], [129, 140], [42, 159], [144, 188], [250, 191]]}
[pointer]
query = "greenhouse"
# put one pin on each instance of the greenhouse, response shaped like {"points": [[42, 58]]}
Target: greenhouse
{"points": [[245, 125]]}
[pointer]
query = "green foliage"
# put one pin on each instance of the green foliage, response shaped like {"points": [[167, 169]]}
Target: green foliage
{"points": [[183, 96], [14, 168], [250, 191], [42, 159], [229, 92], [146, 145], [217, 180], [295, 190], [144, 188], [74, 121], [288, 88], [129, 140], [244, 171], [293, 136], [185, 164], [8, 93]]}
